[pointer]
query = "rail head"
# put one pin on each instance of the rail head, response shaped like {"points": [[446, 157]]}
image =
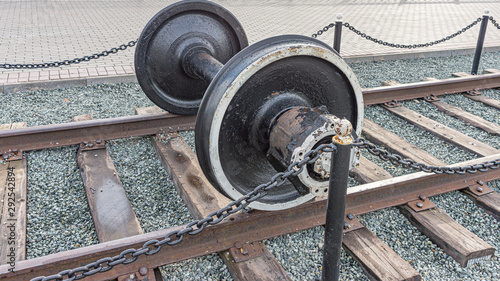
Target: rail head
{"points": [[57, 135], [415, 90]]}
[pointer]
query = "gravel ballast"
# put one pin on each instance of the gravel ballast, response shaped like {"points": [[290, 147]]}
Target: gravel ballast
{"points": [[59, 219]]}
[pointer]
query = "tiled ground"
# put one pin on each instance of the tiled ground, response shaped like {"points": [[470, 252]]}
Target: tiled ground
{"points": [[42, 31]]}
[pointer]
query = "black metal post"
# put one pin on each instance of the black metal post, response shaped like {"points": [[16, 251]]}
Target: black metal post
{"points": [[335, 212], [480, 41], [338, 33]]}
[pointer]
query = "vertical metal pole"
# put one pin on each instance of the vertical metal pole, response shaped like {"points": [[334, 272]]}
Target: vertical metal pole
{"points": [[335, 212], [480, 41], [338, 33]]}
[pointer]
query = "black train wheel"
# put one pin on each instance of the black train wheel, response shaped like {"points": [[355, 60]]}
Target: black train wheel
{"points": [[253, 88]]}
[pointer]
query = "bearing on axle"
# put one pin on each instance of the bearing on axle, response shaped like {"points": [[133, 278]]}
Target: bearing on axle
{"points": [[261, 108]]}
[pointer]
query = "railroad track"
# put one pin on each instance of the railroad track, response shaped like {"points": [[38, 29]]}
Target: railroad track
{"points": [[238, 238]]}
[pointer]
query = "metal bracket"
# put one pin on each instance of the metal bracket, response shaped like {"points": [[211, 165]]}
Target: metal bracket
{"points": [[351, 223], [92, 145], [246, 251], [479, 189], [431, 98], [474, 93], [421, 204], [143, 274], [391, 104], [11, 155]]}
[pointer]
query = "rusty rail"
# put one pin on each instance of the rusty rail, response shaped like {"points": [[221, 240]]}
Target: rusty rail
{"points": [[422, 89], [49, 136], [256, 226]]}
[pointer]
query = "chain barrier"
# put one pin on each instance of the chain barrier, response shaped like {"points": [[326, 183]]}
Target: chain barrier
{"points": [[152, 247], [409, 163], [122, 47], [494, 22], [403, 46]]}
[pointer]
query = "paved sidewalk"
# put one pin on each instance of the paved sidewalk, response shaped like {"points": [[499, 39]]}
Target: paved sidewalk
{"points": [[44, 31]]}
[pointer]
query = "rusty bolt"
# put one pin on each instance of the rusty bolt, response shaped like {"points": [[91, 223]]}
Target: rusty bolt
{"points": [[237, 245], [15, 150], [346, 225], [5, 156], [480, 182], [143, 271], [98, 141], [422, 197], [91, 145], [85, 142], [420, 205], [479, 189], [350, 216]]}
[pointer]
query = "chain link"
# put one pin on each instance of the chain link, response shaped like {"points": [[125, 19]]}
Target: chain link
{"points": [[321, 31], [152, 247], [494, 22], [122, 47], [409, 163]]}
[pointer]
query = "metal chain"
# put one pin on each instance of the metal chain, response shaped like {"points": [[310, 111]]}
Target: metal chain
{"points": [[321, 31], [412, 46], [152, 247], [494, 22], [409, 163], [122, 47]]}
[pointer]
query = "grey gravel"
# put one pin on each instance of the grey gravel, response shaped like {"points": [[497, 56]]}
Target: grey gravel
{"points": [[57, 106], [58, 216], [56, 199]]}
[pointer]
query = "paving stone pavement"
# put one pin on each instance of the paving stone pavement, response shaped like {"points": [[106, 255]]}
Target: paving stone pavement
{"points": [[53, 30]]}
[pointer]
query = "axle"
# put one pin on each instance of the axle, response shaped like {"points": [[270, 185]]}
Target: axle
{"points": [[198, 63]]}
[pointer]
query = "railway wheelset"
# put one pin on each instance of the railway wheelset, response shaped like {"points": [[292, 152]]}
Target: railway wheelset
{"points": [[259, 107]]}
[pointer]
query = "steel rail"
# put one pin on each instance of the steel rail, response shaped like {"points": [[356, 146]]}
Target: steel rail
{"points": [[50, 136], [252, 227], [422, 89]]}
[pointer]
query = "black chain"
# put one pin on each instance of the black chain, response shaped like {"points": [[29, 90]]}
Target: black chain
{"points": [[409, 163], [494, 22], [412, 46], [122, 47], [321, 31], [152, 247]]}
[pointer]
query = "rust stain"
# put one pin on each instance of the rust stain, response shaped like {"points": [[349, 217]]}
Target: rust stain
{"points": [[181, 158], [343, 141], [197, 183]]}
